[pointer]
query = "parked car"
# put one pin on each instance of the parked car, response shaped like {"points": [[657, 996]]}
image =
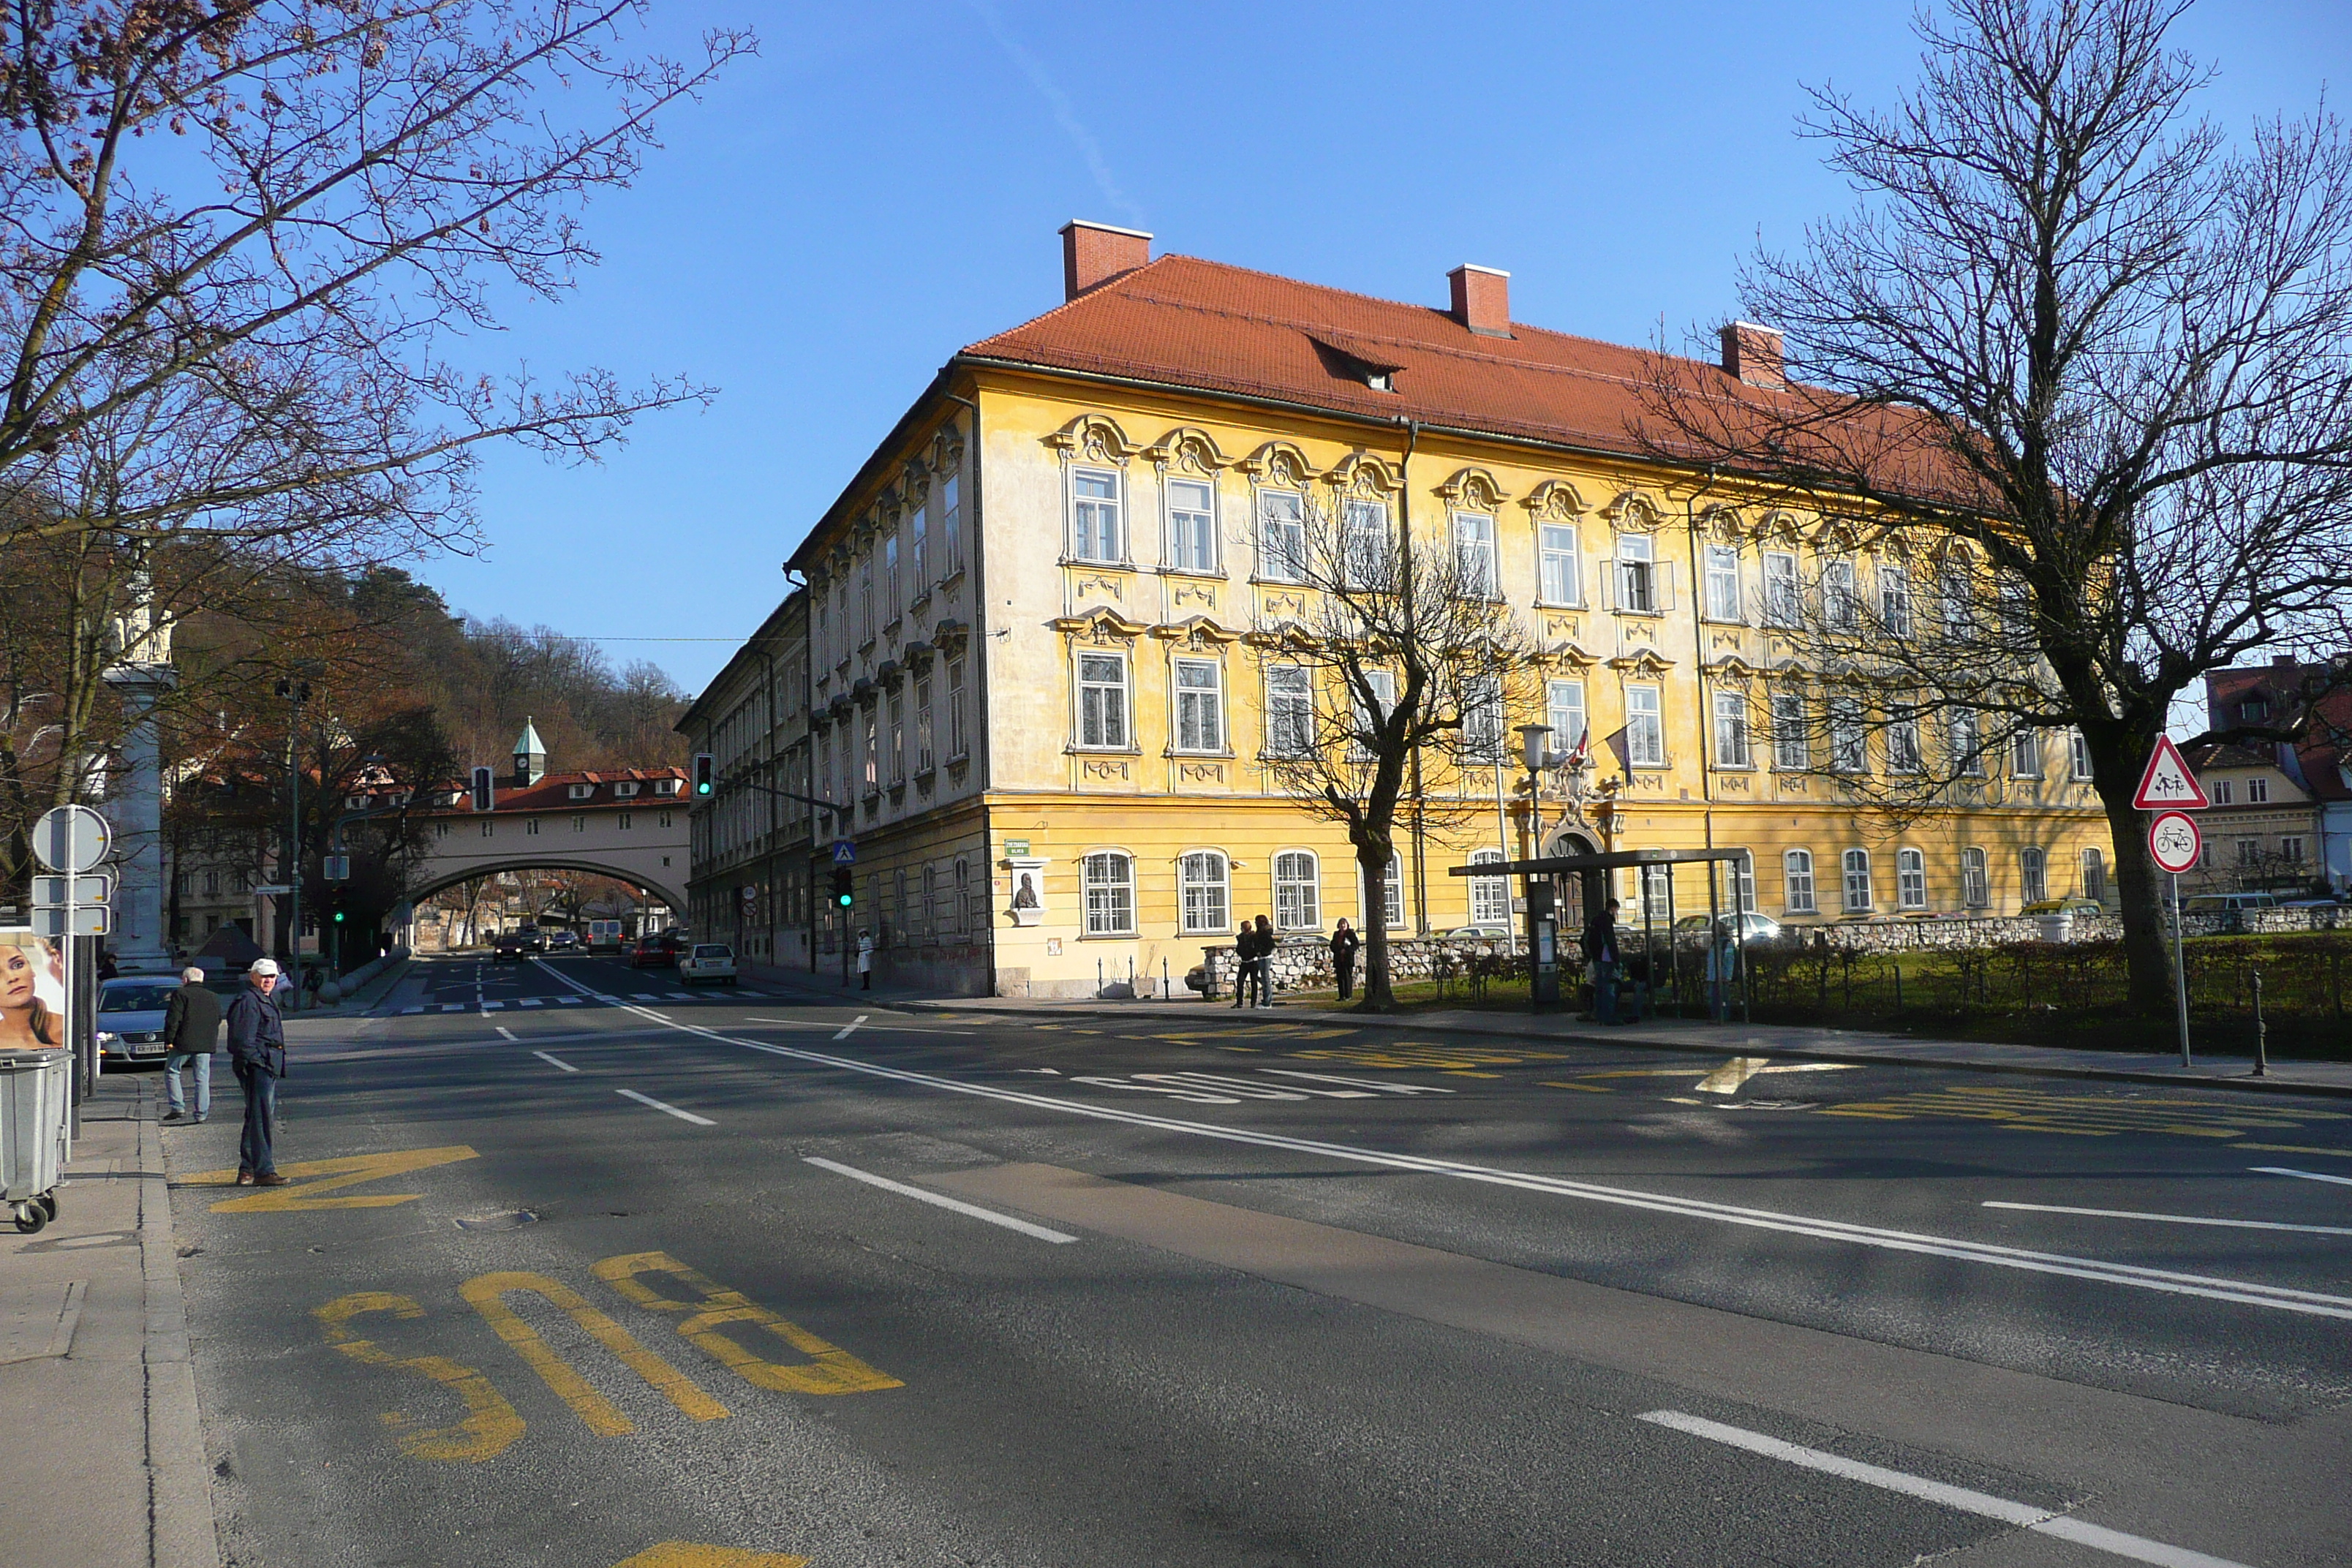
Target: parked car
{"points": [[564, 942], [1750, 927], [2072, 904], [130, 1017], [707, 960], [2226, 903], [648, 952]]}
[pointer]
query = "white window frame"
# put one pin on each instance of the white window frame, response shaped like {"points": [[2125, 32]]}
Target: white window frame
{"points": [[1490, 897], [1637, 574], [1364, 542], [2032, 874], [1113, 709], [1205, 892], [2092, 866], [2078, 755], [1731, 750], [1197, 687], [1722, 583], [918, 551], [1903, 752], [1297, 890], [2258, 791], [958, 745], [1841, 595], [1289, 710], [1849, 736], [950, 526], [1646, 727], [1910, 879], [1784, 599], [1473, 554], [1792, 747], [2025, 754], [2291, 848], [1281, 535], [1097, 522], [1482, 719], [1966, 741], [1107, 879], [2222, 792], [1392, 895], [1956, 595], [891, 597], [1383, 685], [1895, 599], [1560, 564], [924, 760], [1857, 895], [1191, 531], [1564, 710], [897, 738], [1976, 879]]}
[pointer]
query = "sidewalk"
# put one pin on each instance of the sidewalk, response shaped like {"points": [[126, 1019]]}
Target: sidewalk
{"points": [[95, 1374], [1776, 1040]]}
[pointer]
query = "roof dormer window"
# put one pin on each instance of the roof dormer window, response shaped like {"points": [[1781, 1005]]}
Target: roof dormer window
{"points": [[665, 786], [2252, 709], [625, 790], [583, 791]]}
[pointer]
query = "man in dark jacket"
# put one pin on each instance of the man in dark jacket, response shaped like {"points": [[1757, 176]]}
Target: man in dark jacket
{"points": [[1344, 944], [256, 1053], [1246, 961], [191, 1021], [1601, 951]]}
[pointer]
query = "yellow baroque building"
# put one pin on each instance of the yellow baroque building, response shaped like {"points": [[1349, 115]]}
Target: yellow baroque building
{"points": [[1024, 682]]}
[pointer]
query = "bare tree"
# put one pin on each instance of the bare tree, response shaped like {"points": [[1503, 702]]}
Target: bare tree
{"points": [[2078, 363], [1390, 670]]}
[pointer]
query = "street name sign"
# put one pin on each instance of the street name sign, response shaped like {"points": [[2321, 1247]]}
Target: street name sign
{"points": [[844, 853], [2174, 841], [2168, 783], [71, 839], [85, 920], [273, 890], [57, 892]]}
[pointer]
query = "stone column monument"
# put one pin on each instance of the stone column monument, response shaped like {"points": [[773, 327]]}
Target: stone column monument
{"points": [[142, 673]]}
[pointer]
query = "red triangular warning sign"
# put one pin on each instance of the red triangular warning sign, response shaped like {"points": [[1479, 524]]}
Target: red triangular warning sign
{"points": [[2167, 784]]}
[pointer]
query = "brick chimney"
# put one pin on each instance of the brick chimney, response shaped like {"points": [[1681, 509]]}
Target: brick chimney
{"points": [[1095, 253], [1481, 300], [1752, 354]]}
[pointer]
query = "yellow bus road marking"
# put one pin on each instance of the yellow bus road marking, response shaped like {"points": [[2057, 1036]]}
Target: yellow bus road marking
{"points": [[2295, 1149], [1427, 1055], [695, 1554], [491, 1425], [829, 1370], [310, 1178], [2039, 1111], [1587, 1088], [488, 1294]]}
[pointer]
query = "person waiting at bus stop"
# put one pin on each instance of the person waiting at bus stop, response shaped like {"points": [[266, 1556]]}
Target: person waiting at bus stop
{"points": [[1601, 951]]}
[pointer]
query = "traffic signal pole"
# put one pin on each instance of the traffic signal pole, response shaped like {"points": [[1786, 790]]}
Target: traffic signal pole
{"points": [[845, 893]]}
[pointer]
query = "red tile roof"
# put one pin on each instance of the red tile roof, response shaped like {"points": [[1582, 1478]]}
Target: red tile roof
{"points": [[1183, 322], [553, 792]]}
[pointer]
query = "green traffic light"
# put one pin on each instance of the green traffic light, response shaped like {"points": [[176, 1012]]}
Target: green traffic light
{"points": [[338, 917], [844, 900]]}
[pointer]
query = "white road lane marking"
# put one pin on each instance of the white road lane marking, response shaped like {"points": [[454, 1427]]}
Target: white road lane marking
{"points": [[939, 1199], [1359, 1082], [504, 1033], [2306, 1175], [453, 1006], [893, 1029], [554, 1062], [2166, 1281], [2042, 1521], [2179, 1218], [528, 1001], [658, 1105], [851, 1027]]}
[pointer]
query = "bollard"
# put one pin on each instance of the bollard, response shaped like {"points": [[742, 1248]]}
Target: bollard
{"points": [[1098, 979], [1164, 994], [1898, 988], [2261, 1042]]}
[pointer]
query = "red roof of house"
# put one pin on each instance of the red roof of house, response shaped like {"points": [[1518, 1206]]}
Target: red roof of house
{"points": [[1182, 321]]}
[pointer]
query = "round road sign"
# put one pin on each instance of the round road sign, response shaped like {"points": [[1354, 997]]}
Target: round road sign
{"points": [[71, 839], [2175, 842]]}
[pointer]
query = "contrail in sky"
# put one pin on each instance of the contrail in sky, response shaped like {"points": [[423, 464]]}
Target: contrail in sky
{"points": [[1064, 116]]}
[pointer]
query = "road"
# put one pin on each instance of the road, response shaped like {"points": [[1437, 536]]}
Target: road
{"points": [[579, 1270]]}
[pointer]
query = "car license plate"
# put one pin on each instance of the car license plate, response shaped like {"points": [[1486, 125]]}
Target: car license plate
{"points": [[149, 1047]]}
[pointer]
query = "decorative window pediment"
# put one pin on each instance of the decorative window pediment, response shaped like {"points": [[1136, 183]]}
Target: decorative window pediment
{"points": [[1185, 450], [1472, 489], [1092, 438], [1362, 474], [1642, 662], [1198, 631], [1723, 525], [1278, 465], [1101, 627], [1555, 500]]}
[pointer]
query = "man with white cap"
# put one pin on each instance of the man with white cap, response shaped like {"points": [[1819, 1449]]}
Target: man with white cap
{"points": [[257, 1052]]}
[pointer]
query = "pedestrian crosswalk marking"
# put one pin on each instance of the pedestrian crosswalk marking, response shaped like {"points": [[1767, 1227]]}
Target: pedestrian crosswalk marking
{"points": [[488, 1006], [528, 1001]]}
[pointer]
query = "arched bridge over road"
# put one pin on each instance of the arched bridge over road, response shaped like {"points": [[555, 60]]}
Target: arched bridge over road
{"points": [[629, 824]]}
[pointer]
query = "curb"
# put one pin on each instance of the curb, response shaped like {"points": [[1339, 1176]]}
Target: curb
{"points": [[181, 1529], [2246, 1084]]}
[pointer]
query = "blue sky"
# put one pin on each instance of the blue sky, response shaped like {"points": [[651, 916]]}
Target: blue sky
{"points": [[882, 185]]}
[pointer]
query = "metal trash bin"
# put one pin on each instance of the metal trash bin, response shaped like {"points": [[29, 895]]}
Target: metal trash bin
{"points": [[35, 1087]]}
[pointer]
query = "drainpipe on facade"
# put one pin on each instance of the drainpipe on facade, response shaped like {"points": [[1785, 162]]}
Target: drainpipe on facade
{"points": [[976, 640], [1706, 699]]}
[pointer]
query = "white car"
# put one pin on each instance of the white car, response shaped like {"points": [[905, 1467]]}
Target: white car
{"points": [[130, 1017], [707, 960]]}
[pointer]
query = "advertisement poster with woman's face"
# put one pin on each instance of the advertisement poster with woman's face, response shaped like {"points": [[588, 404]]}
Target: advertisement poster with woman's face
{"points": [[32, 991]]}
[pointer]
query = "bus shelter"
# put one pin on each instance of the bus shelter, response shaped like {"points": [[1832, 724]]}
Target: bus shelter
{"points": [[1678, 974]]}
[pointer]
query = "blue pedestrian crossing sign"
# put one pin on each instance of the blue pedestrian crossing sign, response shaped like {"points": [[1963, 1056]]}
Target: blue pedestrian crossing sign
{"points": [[844, 853]]}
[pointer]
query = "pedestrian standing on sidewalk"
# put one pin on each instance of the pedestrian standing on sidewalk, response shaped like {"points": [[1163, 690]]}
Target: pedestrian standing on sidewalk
{"points": [[191, 1021], [1266, 945], [257, 1054], [1344, 944], [1245, 963], [864, 960], [1601, 951]]}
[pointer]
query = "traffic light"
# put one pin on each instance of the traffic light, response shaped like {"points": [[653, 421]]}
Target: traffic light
{"points": [[705, 775], [842, 894], [338, 917], [485, 791]]}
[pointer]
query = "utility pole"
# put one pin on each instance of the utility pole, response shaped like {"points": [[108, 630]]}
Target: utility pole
{"points": [[296, 693]]}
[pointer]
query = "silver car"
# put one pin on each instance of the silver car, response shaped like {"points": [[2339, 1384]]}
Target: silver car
{"points": [[130, 1017]]}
